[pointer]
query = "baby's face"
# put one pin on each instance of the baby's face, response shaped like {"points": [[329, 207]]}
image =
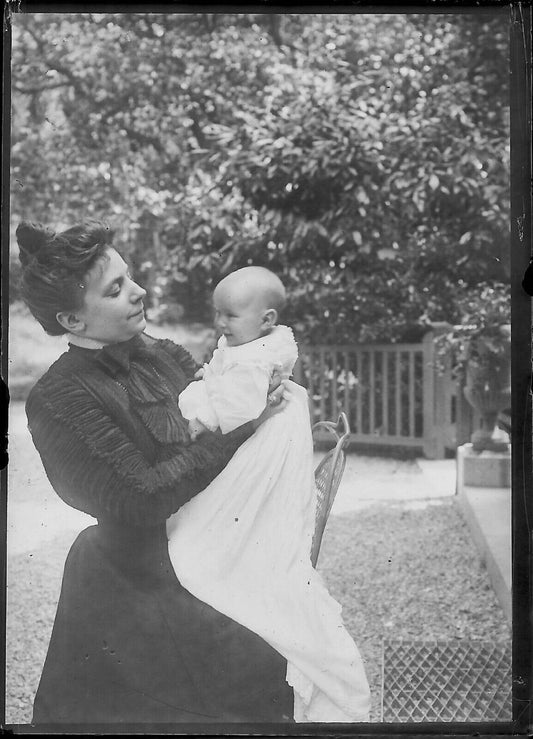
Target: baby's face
{"points": [[238, 315]]}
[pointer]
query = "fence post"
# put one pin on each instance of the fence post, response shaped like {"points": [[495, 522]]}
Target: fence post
{"points": [[465, 421], [443, 416], [432, 444]]}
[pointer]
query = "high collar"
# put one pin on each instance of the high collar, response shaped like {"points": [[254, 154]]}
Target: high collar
{"points": [[114, 357], [84, 342]]}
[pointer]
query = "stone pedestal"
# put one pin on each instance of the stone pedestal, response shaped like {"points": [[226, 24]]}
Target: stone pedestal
{"points": [[482, 469], [484, 496]]}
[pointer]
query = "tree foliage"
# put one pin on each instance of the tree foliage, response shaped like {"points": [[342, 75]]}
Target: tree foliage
{"points": [[363, 157]]}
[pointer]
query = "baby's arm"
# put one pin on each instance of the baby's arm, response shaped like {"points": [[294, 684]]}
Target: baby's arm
{"points": [[195, 406], [239, 394], [196, 427]]}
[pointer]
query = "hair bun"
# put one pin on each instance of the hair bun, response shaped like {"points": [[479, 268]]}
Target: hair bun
{"points": [[31, 237]]}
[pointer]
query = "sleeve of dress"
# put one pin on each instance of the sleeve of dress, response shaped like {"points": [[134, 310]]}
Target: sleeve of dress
{"points": [[95, 467], [238, 395], [194, 402]]}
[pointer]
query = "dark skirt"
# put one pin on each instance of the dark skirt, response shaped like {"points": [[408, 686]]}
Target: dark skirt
{"points": [[130, 645]]}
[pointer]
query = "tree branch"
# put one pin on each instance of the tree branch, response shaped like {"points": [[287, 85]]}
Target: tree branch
{"points": [[37, 88], [143, 138], [53, 64]]}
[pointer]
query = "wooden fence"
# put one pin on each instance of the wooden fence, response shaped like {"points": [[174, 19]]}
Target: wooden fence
{"points": [[393, 394]]}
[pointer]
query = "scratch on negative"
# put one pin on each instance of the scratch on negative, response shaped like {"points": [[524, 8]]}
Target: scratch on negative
{"points": [[520, 224], [12, 6]]}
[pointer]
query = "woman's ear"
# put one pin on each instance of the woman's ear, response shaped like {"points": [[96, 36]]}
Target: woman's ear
{"points": [[270, 317], [70, 321]]}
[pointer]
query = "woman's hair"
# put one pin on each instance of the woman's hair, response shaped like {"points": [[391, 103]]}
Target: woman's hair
{"points": [[54, 266]]}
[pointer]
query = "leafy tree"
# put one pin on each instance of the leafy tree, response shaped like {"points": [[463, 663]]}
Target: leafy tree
{"points": [[364, 157]]}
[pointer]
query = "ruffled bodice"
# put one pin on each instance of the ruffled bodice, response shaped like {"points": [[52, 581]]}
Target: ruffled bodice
{"points": [[151, 384], [110, 434]]}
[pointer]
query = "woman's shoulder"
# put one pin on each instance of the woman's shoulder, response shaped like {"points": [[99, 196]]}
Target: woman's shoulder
{"points": [[62, 376], [67, 364], [168, 348], [54, 383]]}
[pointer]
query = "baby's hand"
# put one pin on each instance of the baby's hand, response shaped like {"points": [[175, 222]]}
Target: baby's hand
{"points": [[196, 428], [199, 374]]}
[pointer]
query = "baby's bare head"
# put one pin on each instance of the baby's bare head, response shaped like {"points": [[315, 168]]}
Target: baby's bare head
{"points": [[247, 304], [256, 286]]}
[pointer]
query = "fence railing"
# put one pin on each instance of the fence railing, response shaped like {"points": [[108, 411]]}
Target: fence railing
{"points": [[392, 394]]}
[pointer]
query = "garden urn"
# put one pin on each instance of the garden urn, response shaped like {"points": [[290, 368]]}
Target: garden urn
{"points": [[488, 387]]}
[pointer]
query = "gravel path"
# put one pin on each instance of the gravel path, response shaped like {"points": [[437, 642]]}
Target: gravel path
{"points": [[398, 571]]}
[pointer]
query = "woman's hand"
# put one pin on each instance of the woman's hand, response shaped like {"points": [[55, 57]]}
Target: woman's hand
{"points": [[275, 382], [277, 399]]}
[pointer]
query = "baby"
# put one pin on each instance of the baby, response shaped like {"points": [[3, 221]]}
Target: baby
{"points": [[243, 544], [235, 383]]}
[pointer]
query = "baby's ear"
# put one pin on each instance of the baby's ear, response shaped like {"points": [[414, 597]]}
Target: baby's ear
{"points": [[270, 317]]}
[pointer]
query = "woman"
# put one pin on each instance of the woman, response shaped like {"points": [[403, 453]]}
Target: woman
{"points": [[129, 644]]}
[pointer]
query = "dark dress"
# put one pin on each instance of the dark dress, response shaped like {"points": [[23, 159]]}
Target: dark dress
{"points": [[129, 644]]}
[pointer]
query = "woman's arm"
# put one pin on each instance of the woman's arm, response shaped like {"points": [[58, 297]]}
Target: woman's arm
{"points": [[95, 467]]}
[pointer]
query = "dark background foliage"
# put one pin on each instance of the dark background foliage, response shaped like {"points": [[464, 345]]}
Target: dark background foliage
{"points": [[363, 157]]}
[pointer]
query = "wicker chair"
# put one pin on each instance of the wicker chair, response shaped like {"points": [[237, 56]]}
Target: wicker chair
{"points": [[328, 475]]}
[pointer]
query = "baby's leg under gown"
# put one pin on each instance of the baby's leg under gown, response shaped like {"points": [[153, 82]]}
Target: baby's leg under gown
{"points": [[243, 544]]}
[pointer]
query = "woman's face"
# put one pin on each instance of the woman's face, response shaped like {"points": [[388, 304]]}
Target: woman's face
{"points": [[112, 309]]}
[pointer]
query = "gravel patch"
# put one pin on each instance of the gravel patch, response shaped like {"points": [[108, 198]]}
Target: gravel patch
{"points": [[408, 570], [399, 569], [34, 582]]}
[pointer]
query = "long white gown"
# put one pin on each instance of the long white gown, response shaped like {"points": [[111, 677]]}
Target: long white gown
{"points": [[243, 545]]}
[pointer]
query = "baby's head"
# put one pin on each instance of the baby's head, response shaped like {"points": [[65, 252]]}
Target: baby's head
{"points": [[247, 304]]}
